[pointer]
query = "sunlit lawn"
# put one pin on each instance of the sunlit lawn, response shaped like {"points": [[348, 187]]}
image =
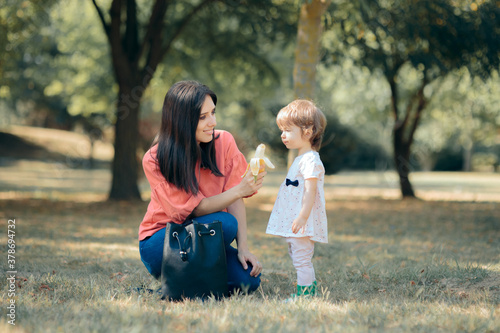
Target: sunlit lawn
{"points": [[390, 265]]}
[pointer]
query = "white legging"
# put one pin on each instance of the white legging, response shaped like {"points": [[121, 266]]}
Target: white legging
{"points": [[301, 251]]}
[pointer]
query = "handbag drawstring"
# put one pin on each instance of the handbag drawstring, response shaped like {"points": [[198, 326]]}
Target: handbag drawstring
{"points": [[182, 250]]}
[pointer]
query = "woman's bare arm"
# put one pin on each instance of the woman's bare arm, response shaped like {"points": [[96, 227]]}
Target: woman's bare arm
{"points": [[221, 201]]}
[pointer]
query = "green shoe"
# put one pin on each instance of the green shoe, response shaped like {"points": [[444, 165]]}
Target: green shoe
{"points": [[303, 291], [307, 290]]}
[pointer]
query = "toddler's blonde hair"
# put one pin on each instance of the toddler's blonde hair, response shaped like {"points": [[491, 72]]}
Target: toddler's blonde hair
{"points": [[304, 114]]}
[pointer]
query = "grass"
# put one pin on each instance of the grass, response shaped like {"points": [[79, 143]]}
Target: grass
{"points": [[390, 265]]}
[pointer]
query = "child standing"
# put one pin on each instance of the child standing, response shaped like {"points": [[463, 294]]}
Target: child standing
{"points": [[299, 211]]}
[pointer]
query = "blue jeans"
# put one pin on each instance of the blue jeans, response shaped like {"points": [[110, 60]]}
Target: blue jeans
{"points": [[151, 250]]}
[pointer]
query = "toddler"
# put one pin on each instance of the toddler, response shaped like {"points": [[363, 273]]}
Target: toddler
{"points": [[299, 211]]}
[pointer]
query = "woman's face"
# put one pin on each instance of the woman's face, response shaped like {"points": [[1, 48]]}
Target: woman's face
{"points": [[207, 122]]}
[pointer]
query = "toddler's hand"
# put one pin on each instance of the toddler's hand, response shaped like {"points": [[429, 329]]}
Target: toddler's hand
{"points": [[298, 224]]}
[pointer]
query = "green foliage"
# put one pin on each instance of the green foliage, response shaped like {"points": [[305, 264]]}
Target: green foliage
{"points": [[20, 23], [82, 79], [463, 115], [344, 149], [421, 48], [53, 68], [435, 36], [23, 44], [359, 99]]}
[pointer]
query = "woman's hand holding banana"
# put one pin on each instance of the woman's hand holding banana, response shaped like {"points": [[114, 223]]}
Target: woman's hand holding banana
{"points": [[258, 162]]}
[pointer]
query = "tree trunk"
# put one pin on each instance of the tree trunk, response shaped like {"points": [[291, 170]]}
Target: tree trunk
{"points": [[125, 164], [402, 162], [404, 132], [91, 153], [307, 51]]}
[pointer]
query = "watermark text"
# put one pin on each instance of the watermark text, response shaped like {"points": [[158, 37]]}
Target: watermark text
{"points": [[11, 272]]}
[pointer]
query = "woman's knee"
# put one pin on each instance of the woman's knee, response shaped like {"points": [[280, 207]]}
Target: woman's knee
{"points": [[251, 283], [238, 277], [245, 283], [151, 252]]}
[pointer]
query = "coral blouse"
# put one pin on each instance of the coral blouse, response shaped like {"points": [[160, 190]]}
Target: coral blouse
{"points": [[171, 204]]}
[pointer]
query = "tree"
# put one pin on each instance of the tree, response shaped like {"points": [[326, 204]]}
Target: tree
{"points": [[433, 38], [139, 42], [307, 51]]}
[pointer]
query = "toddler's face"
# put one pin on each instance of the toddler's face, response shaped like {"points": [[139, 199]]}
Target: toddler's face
{"points": [[292, 137]]}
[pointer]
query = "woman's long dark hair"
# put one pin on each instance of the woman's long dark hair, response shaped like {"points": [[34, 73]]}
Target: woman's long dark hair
{"points": [[178, 152]]}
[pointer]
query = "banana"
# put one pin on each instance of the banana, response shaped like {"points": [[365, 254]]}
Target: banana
{"points": [[258, 162]]}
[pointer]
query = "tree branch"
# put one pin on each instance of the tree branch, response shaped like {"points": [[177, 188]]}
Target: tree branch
{"points": [[390, 74], [182, 25], [394, 100], [157, 53], [121, 64], [116, 17], [154, 30], [422, 102], [103, 20], [131, 38], [409, 107]]}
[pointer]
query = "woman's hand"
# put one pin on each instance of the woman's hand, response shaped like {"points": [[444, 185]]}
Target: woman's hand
{"points": [[221, 201], [247, 257], [249, 186]]}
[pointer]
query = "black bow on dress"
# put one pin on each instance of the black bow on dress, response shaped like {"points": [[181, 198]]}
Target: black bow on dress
{"points": [[294, 183]]}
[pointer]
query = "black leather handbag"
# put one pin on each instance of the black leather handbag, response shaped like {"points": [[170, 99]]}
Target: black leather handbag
{"points": [[194, 261]]}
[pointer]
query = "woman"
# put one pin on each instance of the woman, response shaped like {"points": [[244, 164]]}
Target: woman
{"points": [[196, 171]]}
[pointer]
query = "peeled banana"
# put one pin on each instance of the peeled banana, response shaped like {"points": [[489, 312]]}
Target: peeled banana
{"points": [[258, 162]]}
